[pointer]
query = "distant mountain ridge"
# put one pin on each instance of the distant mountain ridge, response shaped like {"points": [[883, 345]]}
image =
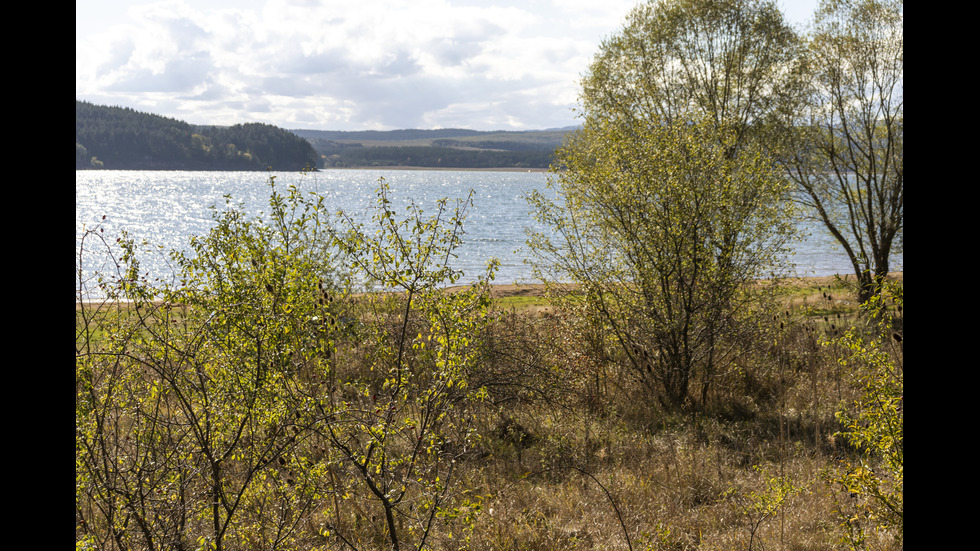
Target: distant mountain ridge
{"points": [[122, 138]]}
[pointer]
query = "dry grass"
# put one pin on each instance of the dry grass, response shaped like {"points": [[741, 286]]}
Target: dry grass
{"points": [[678, 488], [628, 475], [574, 455]]}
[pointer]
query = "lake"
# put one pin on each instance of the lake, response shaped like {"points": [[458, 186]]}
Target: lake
{"points": [[166, 207]]}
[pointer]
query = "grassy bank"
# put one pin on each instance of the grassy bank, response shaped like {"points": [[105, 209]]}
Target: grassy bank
{"points": [[564, 450]]}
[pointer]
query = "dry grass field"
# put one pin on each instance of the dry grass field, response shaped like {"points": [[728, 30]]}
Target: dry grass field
{"points": [[568, 452]]}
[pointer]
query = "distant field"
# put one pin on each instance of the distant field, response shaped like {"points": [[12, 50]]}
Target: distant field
{"points": [[450, 148]]}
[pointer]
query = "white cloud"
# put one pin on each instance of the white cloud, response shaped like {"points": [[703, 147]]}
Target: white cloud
{"points": [[342, 64]]}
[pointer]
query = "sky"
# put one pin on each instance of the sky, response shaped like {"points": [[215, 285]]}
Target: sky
{"points": [[348, 64]]}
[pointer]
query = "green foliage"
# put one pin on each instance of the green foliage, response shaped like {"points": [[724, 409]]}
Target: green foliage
{"points": [[870, 487], [759, 507], [726, 60], [667, 204], [231, 410], [309, 382], [186, 414], [663, 227], [406, 424]]}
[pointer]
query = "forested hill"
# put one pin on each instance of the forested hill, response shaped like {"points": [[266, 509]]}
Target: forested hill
{"points": [[121, 138]]}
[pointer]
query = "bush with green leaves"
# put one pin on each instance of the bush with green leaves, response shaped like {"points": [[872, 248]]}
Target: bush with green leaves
{"points": [[196, 392], [405, 426], [869, 483], [257, 403], [760, 507]]}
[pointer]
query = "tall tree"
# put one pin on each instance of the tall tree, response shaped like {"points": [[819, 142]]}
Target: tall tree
{"points": [[845, 144], [727, 59], [666, 204], [662, 226]]}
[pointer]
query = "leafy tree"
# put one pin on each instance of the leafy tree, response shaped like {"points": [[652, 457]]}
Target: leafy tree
{"points": [[662, 226], [845, 142], [724, 59], [666, 204]]}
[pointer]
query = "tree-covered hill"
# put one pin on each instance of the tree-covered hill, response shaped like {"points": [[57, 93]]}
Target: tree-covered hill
{"points": [[122, 138]]}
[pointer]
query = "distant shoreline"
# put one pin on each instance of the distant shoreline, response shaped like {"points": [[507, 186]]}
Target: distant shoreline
{"points": [[443, 169], [327, 169]]}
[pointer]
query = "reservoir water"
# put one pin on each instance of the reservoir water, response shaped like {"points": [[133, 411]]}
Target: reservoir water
{"points": [[166, 207]]}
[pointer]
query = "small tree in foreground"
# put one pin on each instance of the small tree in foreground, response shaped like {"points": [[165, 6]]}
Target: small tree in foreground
{"points": [[662, 226], [870, 487], [257, 404], [403, 426]]}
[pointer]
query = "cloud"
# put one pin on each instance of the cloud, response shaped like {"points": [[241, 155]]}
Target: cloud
{"points": [[347, 65]]}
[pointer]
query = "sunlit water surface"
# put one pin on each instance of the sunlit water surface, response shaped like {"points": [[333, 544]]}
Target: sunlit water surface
{"points": [[166, 207]]}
